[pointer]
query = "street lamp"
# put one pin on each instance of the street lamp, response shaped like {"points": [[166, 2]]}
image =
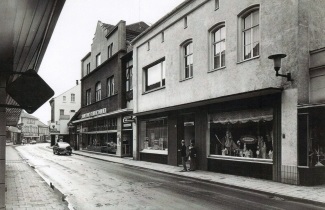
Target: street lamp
{"points": [[277, 65]]}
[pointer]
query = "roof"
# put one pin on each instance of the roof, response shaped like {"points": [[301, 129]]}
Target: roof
{"points": [[24, 114], [138, 27], [39, 123]]}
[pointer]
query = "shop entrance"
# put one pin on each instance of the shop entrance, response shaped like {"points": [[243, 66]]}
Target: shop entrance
{"points": [[186, 131]]}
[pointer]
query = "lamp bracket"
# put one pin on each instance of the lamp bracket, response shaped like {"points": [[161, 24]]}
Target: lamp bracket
{"points": [[288, 76]]}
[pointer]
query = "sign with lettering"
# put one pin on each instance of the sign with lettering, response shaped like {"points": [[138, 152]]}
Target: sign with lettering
{"points": [[94, 113]]}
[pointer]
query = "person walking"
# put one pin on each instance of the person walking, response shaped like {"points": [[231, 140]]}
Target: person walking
{"points": [[184, 156], [192, 155]]}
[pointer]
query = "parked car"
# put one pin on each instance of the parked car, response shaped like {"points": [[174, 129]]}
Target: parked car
{"points": [[62, 148], [109, 147], [33, 142]]}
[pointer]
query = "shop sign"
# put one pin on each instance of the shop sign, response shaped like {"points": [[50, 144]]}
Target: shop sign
{"points": [[127, 125], [128, 119], [94, 113]]}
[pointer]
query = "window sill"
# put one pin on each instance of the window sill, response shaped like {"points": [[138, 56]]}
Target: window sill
{"points": [[256, 57], [153, 90], [241, 159], [152, 151], [213, 70], [182, 80]]}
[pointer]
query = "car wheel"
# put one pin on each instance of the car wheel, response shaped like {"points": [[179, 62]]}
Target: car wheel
{"points": [[69, 153]]}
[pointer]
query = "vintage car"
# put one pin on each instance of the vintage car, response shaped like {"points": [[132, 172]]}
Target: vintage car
{"points": [[33, 142], [62, 148]]}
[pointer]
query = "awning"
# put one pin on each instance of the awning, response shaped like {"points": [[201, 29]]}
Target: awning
{"points": [[99, 132], [13, 129], [242, 116]]}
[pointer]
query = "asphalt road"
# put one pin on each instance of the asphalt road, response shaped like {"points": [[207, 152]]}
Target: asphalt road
{"points": [[94, 184]]}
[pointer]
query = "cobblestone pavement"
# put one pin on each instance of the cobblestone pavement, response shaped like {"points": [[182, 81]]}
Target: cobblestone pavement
{"points": [[26, 189]]}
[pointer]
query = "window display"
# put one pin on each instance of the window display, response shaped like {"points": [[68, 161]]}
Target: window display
{"points": [[153, 136], [245, 134], [317, 142]]}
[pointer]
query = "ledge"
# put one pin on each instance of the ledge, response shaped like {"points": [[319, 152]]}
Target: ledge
{"points": [[241, 159], [153, 90]]}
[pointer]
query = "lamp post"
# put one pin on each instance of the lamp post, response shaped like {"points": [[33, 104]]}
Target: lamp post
{"points": [[277, 65]]}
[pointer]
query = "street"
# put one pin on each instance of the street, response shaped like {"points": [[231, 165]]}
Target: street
{"points": [[94, 184]]}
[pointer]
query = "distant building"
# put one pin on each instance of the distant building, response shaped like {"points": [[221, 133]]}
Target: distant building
{"points": [[105, 97], [29, 127], [43, 131], [63, 107], [13, 134]]}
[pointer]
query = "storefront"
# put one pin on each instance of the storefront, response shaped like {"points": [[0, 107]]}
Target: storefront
{"points": [[311, 144]]}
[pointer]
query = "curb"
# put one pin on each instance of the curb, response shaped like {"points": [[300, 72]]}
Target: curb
{"points": [[271, 195]]}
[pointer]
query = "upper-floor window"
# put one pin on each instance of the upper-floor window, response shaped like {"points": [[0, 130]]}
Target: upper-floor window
{"points": [[155, 75], [98, 59], [88, 96], [219, 47], [98, 91], [110, 50], [110, 86], [73, 97], [162, 36], [185, 22], [250, 33], [187, 63], [72, 110], [61, 111], [216, 4], [129, 66], [64, 98], [88, 68], [148, 45]]}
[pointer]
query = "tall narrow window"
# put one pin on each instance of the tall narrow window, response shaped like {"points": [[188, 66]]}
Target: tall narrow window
{"points": [[216, 4], [148, 45], [73, 97], [110, 86], [219, 47], [88, 68], [110, 50], [61, 111], [188, 60], [162, 36], [98, 59], [88, 96], [155, 75], [185, 22], [129, 66], [250, 35], [98, 93], [64, 98]]}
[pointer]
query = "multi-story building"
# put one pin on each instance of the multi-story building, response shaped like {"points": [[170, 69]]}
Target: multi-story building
{"points": [[63, 107], [29, 127], [105, 97], [43, 131], [203, 73]]}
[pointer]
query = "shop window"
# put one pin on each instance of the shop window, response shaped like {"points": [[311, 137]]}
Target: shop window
{"points": [[154, 136], [155, 75], [246, 134]]}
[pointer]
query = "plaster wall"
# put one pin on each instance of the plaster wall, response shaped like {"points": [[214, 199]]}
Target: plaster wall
{"points": [[289, 127], [237, 76]]}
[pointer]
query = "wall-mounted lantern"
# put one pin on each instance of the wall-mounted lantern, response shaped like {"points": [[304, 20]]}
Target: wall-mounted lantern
{"points": [[277, 65]]}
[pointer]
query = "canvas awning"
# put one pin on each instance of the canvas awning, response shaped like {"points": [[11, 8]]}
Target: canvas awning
{"points": [[242, 116]]}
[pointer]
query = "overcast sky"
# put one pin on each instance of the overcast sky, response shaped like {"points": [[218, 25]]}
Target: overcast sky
{"points": [[74, 31]]}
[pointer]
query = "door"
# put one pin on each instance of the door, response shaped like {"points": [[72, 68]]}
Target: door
{"points": [[186, 131]]}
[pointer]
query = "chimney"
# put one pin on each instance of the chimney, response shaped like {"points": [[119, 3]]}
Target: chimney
{"points": [[77, 82]]}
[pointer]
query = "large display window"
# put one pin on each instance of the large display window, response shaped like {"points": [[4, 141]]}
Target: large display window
{"points": [[244, 134], [154, 136]]}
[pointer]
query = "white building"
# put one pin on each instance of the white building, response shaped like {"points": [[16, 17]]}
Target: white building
{"points": [[63, 107]]}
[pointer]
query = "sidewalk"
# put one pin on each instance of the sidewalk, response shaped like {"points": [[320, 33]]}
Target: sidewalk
{"points": [[313, 195], [26, 189]]}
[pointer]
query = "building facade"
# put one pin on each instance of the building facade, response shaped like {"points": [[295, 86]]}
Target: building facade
{"points": [[202, 74], [63, 108], [29, 127], [43, 132], [99, 123]]}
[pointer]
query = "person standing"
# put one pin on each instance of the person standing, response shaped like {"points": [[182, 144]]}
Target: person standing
{"points": [[184, 156], [192, 154]]}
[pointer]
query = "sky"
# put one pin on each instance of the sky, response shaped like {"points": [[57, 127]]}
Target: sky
{"points": [[74, 31]]}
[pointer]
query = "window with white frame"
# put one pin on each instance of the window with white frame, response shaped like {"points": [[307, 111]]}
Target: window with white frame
{"points": [[250, 34], [98, 91], [98, 59], [110, 86], [218, 36], [129, 67], [88, 96], [73, 97], [154, 75], [110, 50], [187, 69]]}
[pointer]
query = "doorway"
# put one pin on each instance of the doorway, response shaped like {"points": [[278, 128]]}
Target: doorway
{"points": [[186, 131]]}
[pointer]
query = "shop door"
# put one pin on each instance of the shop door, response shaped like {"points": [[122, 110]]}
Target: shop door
{"points": [[186, 131]]}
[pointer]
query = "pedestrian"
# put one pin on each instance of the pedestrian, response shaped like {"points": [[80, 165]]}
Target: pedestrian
{"points": [[183, 155], [192, 156]]}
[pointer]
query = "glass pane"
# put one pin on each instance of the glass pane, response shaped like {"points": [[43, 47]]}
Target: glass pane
{"points": [[256, 35], [163, 65], [191, 48], [186, 72], [217, 61], [217, 36], [223, 58], [153, 75], [247, 53], [223, 33], [256, 50], [191, 59], [216, 49], [247, 37], [191, 70], [247, 21], [255, 18]]}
